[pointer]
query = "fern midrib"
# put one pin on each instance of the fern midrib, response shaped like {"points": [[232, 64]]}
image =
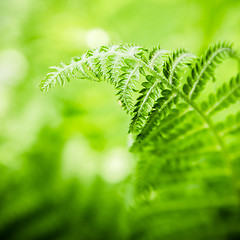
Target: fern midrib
{"points": [[146, 97], [152, 119], [203, 151], [129, 78], [116, 68], [176, 63], [156, 55], [229, 130], [189, 134], [204, 69], [79, 63], [66, 68], [222, 100], [165, 123], [126, 86]]}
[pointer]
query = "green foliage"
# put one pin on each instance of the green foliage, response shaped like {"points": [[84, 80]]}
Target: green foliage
{"points": [[118, 65], [226, 95], [55, 146], [187, 144], [204, 68]]}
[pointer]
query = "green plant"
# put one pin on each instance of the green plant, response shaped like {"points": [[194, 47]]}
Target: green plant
{"points": [[186, 133]]}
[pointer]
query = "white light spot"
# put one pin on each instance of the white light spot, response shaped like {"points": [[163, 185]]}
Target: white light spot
{"points": [[116, 166], [79, 159], [96, 38], [13, 66]]}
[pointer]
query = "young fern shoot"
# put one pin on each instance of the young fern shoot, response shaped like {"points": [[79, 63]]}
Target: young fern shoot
{"points": [[187, 144], [168, 107]]}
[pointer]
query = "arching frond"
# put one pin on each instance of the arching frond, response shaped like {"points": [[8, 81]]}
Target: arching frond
{"points": [[188, 158], [112, 64], [205, 66]]}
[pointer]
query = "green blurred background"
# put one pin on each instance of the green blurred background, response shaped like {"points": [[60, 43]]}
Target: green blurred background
{"points": [[64, 162]]}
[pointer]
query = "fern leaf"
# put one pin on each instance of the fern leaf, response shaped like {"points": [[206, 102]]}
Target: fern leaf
{"points": [[149, 93], [172, 69], [226, 95], [159, 111], [105, 63], [230, 125], [205, 66], [158, 56], [126, 86], [175, 66]]}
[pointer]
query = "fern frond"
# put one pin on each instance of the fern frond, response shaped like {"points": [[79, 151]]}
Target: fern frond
{"points": [[160, 110], [179, 143], [205, 66], [230, 125], [122, 65], [112, 64], [173, 68], [126, 85], [226, 95], [157, 56], [149, 93]]}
